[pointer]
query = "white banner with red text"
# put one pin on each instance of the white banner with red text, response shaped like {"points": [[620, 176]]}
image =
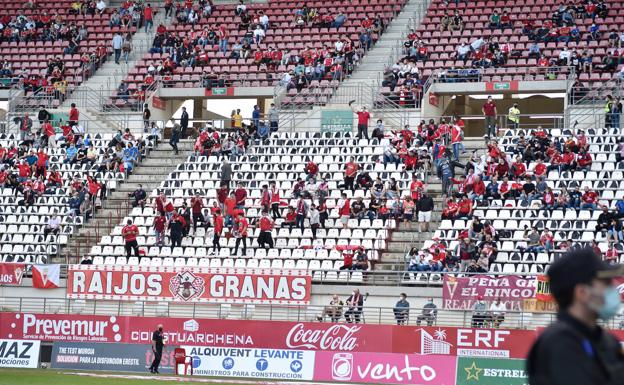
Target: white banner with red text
{"points": [[182, 284]]}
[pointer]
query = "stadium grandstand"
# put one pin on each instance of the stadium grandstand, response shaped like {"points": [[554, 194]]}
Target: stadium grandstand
{"points": [[228, 167]]}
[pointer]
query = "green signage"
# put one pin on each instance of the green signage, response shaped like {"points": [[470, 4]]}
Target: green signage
{"points": [[501, 86], [336, 121], [219, 91], [490, 371]]}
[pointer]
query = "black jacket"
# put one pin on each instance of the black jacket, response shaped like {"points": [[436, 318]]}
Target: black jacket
{"points": [[425, 203], [570, 353], [184, 119]]}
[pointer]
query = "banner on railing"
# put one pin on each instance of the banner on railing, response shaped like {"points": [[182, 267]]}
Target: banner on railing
{"points": [[489, 371], [451, 341], [462, 293], [336, 121], [133, 283], [12, 273]]}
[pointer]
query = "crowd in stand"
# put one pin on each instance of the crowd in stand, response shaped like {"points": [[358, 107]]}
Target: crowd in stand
{"points": [[26, 169]]}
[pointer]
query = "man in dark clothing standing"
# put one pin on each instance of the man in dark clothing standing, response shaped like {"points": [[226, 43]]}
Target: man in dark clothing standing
{"points": [[575, 350], [184, 121], [157, 348], [147, 114], [176, 227], [424, 206]]}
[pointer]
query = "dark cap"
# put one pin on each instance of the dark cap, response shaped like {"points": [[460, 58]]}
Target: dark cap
{"points": [[579, 266]]}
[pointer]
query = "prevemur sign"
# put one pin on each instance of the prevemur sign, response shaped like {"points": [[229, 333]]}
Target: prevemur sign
{"points": [[490, 371], [336, 121]]}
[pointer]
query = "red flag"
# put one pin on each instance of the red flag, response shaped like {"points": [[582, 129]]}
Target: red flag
{"points": [[46, 276]]}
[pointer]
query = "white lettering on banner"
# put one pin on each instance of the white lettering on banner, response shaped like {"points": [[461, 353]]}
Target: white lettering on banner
{"points": [[194, 338], [78, 281], [391, 372], [469, 338], [336, 337], [6, 278], [130, 284], [19, 353], [258, 287], [65, 327]]}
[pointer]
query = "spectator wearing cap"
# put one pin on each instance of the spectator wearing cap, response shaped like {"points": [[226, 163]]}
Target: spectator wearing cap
{"points": [[582, 285]]}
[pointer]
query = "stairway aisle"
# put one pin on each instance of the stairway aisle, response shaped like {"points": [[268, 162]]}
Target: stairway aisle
{"points": [[407, 235], [154, 169]]}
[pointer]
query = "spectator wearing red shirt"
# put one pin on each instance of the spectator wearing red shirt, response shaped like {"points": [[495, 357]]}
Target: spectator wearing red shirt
{"points": [[584, 161], [518, 169], [363, 118], [148, 17], [197, 204], [345, 210], [160, 225], [548, 199], [275, 201], [351, 170], [465, 208], [230, 207], [218, 229], [42, 163], [240, 232], [478, 189], [539, 169], [489, 112], [266, 226], [24, 171], [241, 196], [130, 233], [311, 169], [73, 115], [589, 199], [568, 161]]}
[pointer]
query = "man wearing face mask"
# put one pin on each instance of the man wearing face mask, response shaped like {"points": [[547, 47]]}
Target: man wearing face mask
{"points": [[157, 348], [575, 350]]}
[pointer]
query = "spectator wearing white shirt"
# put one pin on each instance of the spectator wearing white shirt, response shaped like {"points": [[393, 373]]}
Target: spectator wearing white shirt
{"points": [[101, 6], [339, 45], [477, 44], [53, 226], [259, 34], [264, 20], [564, 57], [497, 312], [240, 8], [463, 51], [117, 44]]}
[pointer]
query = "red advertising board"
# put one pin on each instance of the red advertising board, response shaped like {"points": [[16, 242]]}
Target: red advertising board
{"points": [[11, 273], [283, 335], [461, 293], [188, 284]]}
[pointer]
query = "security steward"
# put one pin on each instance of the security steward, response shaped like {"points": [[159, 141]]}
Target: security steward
{"points": [[157, 348], [575, 350]]}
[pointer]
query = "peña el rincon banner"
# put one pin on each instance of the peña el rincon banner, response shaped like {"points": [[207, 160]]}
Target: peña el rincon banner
{"points": [[490, 371], [461, 293], [134, 283]]}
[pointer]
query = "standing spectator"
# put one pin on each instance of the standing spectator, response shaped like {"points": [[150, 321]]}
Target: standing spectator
{"points": [[351, 169], [226, 173], [74, 115], [315, 221], [148, 17], [344, 210], [160, 226], [424, 206], [218, 229], [240, 232], [184, 122], [25, 125], [273, 116], [513, 117], [489, 111], [175, 137], [355, 302], [266, 226], [197, 204], [130, 232], [479, 313], [117, 43], [429, 313], [147, 114], [302, 212], [401, 310], [176, 229], [363, 118]]}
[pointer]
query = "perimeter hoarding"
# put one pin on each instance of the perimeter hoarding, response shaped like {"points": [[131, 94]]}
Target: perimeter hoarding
{"points": [[181, 284], [281, 364], [12, 273], [488, 371], [109, 357], [452, 341], [19, 353]]}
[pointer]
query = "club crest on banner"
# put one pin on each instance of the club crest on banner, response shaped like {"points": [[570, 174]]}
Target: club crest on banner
{"points": [[186, 286]]}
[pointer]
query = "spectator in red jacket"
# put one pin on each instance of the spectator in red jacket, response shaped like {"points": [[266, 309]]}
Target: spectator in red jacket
{"points": [[265, 237], [130, 232], [197, 204], [73, 115], [568, 161], [241, 196], [589, 199], [218, 229], [351, 169], [584, 161], [465, 208], [311, 169], [160, 226], [240, 232], [478, 189]]}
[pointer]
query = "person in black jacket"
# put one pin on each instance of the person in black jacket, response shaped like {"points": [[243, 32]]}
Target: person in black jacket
{"points": [[176, 228], [43, 115], [355, 302], [424, 206], [139, 196], [604, 220], [184, 121], [575, 350]]}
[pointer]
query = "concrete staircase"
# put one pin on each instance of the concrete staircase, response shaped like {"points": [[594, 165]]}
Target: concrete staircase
{"points": [[154, 169], [407, 235]]}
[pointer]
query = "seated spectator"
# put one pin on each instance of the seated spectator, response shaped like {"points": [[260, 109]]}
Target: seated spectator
{"points": [[589, 199], [497, 313], [355, 304], [428, 314], [495, 20], [333, 310], [401, 310], [480, 316], [534, 51], [360, 260]]}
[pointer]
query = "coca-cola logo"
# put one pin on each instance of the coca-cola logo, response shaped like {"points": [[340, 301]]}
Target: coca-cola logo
{"points": [[336, 338]]}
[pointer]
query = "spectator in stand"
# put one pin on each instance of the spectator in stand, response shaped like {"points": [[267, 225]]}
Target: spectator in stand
{"points": [[240, 232], [177, 226], [497, 312], [333, 310], [351, 169], [355, 304], [429, 313], [301, 212], [480, 316], [363, 119], [218, 230], [139, 195], [117, 44], [614, 231], [489, 111], [130, 232], [266, 226], [401, 310], [344, 210], [54, 225], [513, 117], [589, 199], [424, 206]]}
